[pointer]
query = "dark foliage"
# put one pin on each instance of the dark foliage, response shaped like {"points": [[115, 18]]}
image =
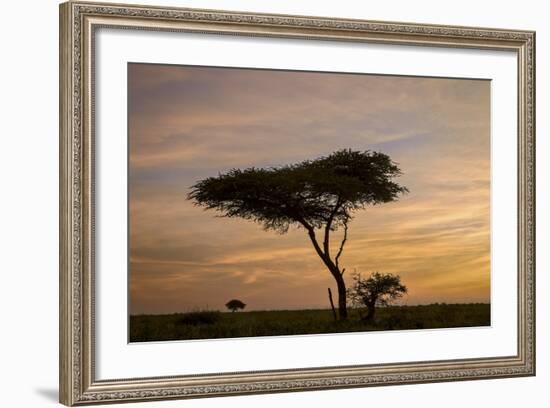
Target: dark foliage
{"points": [[310, 194], [235, 304], [380, 289]]}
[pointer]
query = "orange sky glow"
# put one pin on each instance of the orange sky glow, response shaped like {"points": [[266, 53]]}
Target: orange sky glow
{"points": [[187, 123]]}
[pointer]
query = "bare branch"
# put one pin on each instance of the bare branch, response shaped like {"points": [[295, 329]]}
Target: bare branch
{"points": [[326, 241], [342, 244], [313, 238]]}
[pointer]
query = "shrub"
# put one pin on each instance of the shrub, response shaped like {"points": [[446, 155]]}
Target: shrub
{"points": [[380, 289]]}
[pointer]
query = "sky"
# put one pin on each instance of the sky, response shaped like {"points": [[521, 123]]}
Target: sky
{"points": [[187, 123]]}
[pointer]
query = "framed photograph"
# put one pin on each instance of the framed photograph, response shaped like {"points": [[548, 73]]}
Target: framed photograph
{"points": [[256, 203]]}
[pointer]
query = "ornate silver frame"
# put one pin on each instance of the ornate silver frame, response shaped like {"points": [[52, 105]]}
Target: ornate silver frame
{"points": [[78, 22]]}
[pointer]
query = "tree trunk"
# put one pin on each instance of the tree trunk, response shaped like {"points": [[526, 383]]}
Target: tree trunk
{"points": [[342, 304], [334, 270], [370, 312], [332, 304]]}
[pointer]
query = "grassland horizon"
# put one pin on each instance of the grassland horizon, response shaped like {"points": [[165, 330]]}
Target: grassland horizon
{"points": [[214, 324]]}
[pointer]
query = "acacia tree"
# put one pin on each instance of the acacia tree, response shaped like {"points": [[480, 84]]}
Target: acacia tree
{"points": [[380, 289], [235, 304], [318, 195]]}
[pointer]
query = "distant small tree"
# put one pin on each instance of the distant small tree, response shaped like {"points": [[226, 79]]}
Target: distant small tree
{"points": [[380, 289], [235, 305]]}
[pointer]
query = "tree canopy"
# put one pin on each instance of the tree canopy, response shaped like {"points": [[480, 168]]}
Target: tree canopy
{"points": [[380, 289], [310, 193], [235, 304]]}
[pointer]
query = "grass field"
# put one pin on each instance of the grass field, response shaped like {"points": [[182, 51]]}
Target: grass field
{"points": [[213, 324]]}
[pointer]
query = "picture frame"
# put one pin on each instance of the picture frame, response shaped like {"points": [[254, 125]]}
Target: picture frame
{"points": [[79, 25]]}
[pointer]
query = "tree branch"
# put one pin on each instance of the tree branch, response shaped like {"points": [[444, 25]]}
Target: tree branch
{"points": [[342, 244], [326, 241], [311, 233], [313, 238]]}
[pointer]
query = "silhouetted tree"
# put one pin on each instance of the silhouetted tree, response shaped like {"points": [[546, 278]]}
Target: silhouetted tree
{"points": [[378, 290], [319, 194], [235, 305]]}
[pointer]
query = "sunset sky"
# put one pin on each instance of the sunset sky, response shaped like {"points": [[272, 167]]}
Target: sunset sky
{"points": [[188, 123]]}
